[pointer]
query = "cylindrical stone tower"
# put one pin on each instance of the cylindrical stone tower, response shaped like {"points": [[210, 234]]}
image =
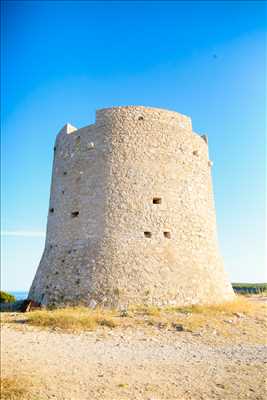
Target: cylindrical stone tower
{"points": [[131, 217]]}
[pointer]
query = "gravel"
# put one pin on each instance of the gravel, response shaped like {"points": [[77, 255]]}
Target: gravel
{"points": [[133, 364]]}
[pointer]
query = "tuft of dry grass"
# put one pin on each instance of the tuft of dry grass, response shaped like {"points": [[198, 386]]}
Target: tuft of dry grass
{"points": [[239, 305], [141, 309], [72, 318], [13, 388], [123, 385]]}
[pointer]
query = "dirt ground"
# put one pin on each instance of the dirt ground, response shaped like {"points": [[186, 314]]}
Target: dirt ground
{"points": [[146, 362]]}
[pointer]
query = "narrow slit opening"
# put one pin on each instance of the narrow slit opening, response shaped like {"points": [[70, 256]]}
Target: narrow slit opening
{"points": [[75, 214], [167, 234], [147, 234]]}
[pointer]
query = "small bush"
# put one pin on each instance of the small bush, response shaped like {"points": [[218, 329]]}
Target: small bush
{"points": [[6, 297]]}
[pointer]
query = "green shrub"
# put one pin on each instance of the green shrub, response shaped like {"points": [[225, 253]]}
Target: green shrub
{"points": [[6, 297], [250, 288]]}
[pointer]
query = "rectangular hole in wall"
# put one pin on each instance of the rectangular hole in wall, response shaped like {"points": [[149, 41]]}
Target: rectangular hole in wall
{"points": [[156, 200], [75, 214], [167, 234], [148, 234]]}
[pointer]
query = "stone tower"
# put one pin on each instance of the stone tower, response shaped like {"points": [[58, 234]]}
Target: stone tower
{"points": [[131, 216]]}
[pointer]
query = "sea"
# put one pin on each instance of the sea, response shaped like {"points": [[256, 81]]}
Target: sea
{"points": [[19, 295]]}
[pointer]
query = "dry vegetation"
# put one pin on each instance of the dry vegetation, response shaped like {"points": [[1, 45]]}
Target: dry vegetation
{"points": [[13, 388], [229, 319], [192, 318], [72, 318]]}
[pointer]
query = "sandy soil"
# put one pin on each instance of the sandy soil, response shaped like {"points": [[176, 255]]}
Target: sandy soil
{"points": [[146, 362]]}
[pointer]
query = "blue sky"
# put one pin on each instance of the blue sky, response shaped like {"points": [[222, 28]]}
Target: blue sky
{"points": [[63, 60]]}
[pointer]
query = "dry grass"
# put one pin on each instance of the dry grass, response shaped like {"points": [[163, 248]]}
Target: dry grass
{"points": [[73, 319], [145, 310], [239, 305], [222, 317], [13, 388]]}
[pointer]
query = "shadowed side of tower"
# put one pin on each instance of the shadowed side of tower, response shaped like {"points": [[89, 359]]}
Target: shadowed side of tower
{"points": [[131, 216]]}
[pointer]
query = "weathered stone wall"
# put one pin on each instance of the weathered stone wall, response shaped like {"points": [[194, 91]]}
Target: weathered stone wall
{"points": [[131, 216]]}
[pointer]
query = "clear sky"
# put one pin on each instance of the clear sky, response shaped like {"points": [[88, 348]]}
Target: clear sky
{"points": [[63, 60]]}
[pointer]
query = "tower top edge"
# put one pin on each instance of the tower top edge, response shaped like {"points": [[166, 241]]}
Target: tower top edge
{"points": [[108, 114], [140, 108]]}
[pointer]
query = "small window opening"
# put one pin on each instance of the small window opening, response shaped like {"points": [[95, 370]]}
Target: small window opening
{"points": [[157, 200], [55, 148], [148, 234], [63, 191], [167, 234], [64, 173], [63, 261], [140, 118], [51, 210], [75, 214]]}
